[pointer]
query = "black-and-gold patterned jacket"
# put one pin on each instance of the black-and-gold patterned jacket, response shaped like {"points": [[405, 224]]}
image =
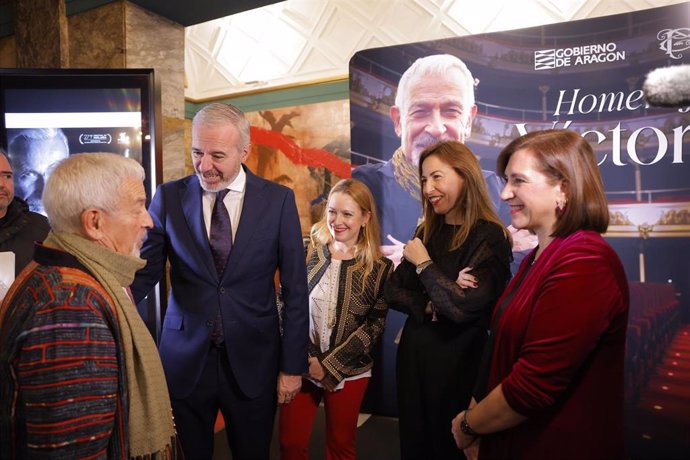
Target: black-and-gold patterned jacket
{"points": [[360, 315]]}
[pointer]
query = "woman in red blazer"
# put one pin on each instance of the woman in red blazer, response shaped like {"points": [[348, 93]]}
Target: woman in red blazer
{"points": [[554, 386]]}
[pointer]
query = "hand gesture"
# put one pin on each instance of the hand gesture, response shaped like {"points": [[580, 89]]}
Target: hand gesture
{"points": [[462, 440], [472, 452], [415, 252], [465, 280], [288, 387], [394, 251], [316, 369]]}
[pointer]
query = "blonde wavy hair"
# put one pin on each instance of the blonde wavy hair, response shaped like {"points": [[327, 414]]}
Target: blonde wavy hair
{"points": [[367, 246]]}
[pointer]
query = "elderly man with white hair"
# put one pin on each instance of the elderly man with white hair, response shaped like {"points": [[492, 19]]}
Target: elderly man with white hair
{"points": [[80, 376], [434, 102]]}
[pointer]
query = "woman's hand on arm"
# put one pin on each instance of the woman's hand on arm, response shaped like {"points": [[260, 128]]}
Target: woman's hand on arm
{"points": [[458, 304], [465, 298], [462, 440], [492, 414], [472, 452], [416, 253], [316, 370], [466, 280]]}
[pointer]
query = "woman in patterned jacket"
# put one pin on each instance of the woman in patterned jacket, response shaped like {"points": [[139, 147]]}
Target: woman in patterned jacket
{"points": [[346, 274]]}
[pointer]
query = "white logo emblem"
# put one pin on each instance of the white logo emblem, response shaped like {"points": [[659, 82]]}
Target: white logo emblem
{"points": [[95, 138], [674, 41], [544, 59]]}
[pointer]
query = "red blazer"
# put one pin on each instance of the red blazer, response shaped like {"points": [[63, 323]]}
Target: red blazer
{"points": [[559, 354]]}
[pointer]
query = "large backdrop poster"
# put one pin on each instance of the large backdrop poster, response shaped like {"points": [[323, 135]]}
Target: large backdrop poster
{"points": [[587, 76]]}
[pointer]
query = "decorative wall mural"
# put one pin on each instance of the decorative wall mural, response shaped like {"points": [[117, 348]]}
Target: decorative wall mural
{"points": [[306, 148]]}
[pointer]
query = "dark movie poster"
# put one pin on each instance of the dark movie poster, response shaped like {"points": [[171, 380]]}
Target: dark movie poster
{"points": [[46, 125], [587, 76]]}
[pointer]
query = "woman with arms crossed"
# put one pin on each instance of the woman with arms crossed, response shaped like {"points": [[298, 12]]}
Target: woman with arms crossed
{"points": [[445, 332], [346, 276], [555, 380]]}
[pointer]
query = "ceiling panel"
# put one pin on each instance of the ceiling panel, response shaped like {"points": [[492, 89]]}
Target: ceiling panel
{"points": [[300, 41]]}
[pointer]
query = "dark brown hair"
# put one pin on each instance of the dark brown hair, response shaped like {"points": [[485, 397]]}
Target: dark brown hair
{"points": [[563, 155], [473, 201]]}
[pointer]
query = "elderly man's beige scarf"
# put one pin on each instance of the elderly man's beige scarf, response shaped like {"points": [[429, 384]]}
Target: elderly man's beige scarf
{"points": [[151, 432], [406, 175]]}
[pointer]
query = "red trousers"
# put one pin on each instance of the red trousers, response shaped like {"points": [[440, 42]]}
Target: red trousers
{"points": [[342, 409]]}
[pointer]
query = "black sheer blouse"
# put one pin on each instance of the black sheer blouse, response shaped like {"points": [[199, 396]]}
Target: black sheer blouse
{"points": [[486, 249]]}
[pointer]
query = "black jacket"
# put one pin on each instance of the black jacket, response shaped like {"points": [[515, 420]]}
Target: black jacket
{"points": [[19, 229]]}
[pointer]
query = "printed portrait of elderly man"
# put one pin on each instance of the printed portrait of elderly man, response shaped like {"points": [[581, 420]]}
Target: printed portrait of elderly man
{"points": [[33, 153], [435, 102]]}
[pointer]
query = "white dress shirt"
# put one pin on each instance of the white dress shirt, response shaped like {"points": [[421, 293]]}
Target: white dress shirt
{"points": [[233, 202]]}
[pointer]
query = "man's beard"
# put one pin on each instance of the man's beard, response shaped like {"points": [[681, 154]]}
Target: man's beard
{"points": [[5, 200], [223, 183]]}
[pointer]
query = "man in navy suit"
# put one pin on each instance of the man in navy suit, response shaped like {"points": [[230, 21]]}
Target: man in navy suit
{"points": [[221, 345]]}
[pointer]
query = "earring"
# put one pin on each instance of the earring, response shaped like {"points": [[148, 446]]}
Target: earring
{"points": [[560, 206]]}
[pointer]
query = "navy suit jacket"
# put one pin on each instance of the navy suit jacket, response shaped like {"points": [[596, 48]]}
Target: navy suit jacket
{"points": [[268, 238]]}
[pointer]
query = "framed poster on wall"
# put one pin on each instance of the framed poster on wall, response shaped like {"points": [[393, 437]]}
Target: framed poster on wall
{"points": [[48, 114]]}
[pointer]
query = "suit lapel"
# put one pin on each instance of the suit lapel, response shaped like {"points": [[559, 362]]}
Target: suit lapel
{"points": [[252, 209], [190, 197]]}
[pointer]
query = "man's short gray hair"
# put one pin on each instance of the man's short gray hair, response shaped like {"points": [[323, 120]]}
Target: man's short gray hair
{"points": [[436, 64], [84, 181], [216, 114]]}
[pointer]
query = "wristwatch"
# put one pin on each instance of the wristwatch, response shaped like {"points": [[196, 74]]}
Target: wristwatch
{"points": [[420, 268], [465, 426]]}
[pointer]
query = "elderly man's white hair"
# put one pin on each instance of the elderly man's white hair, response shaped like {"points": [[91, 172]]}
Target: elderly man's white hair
{"points": [[84, 181], [428, 66], [220, 114]]}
